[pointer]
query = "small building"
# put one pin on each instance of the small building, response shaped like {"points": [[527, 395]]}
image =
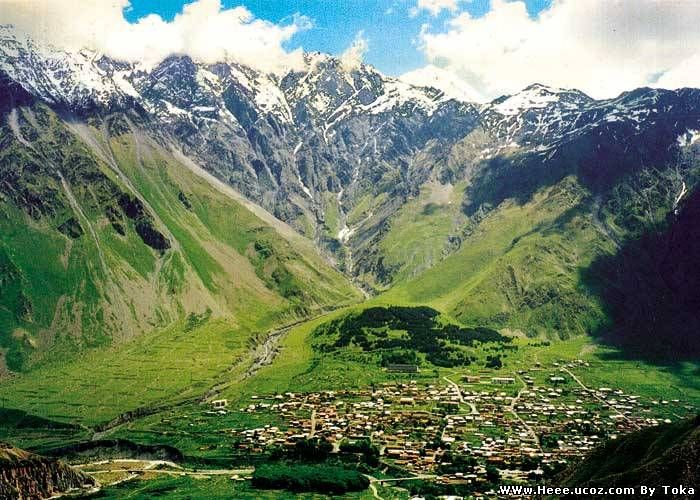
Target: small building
{"points": [[471, 379], [503, 380], [402, 368], [219, 403], [449, 405], [557, 380]]}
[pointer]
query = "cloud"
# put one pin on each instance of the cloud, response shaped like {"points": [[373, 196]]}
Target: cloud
{"points": [[602, 47], [204, 30], [434, 7], [353, 56], [685, 74]]}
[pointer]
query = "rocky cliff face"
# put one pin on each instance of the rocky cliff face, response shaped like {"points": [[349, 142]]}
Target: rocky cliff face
{"points": [[27, 476], [337, 151]]}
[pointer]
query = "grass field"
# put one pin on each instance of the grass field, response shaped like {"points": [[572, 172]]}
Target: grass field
{"points": [[206, 489], [162, 366]]}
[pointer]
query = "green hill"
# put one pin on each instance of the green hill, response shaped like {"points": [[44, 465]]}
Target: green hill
{"points": [[106, 235], [559, 263]]}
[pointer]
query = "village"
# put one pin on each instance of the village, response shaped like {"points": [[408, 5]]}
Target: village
{"points": [[525, 426]]}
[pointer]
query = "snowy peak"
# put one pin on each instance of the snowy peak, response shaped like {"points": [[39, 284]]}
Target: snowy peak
{"points": [[538, 96], [326, 88], [443, 80], [327, 91], [78, 79], [398, 93]]}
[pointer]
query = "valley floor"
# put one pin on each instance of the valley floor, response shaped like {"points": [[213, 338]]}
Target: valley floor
{"points": [[549, 404]]}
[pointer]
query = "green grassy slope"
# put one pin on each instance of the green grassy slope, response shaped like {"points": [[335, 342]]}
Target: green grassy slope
{"points": [[105, 235], [518, 267], [419, 234], [158, 367]]}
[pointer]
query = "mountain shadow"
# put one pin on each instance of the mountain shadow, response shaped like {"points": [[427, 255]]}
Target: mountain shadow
{"points": [[598, 159], [651, 290], [663, 455], [600, 151]]}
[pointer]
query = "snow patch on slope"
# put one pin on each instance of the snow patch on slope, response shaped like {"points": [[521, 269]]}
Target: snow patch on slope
{"points": [[345, 233], [536, 96], [444, 80], [397, 93], [270, 98], [689, 138]]}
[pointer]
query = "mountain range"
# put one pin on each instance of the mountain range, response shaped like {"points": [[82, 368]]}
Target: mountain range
{"points": [[132, 195]]}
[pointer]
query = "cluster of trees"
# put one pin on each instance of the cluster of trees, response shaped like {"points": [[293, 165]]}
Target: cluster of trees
{"points": [[325, 479], [316, 450], [368, 452], [550, 441], [195, 320], [456, 462], [400, 357], [425, 334], [305, 450], [494, 362], [431, 490]]}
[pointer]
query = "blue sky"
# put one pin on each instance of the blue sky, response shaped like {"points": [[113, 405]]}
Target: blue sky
{"points": [[387, 24]]}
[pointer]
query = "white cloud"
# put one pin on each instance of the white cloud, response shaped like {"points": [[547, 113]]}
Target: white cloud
{"points": [[203, 30], [434, 7], [602, 47], [685, 74], [353, 56]]}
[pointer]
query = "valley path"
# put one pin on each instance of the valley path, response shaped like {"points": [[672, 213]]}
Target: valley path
{"points": [[595, 395], [461, 397]]}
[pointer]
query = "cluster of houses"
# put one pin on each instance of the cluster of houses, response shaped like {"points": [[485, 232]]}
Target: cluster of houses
{"points": [[519, 424]]}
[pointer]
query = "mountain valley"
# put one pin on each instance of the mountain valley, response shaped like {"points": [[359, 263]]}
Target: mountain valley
{"points": [[177, 235]]}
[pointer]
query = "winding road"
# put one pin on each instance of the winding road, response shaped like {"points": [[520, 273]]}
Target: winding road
{"points": [[461, 397], [112, 466], [511, 408]]}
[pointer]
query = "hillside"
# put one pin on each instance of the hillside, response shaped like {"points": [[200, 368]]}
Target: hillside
{"points": [[107, 234], [564, 263], [664, 455], [650, 287]]}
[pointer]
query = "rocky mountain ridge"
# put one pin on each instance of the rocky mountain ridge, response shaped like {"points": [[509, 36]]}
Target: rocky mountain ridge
{"points": [[318, 141], [358, 161]]}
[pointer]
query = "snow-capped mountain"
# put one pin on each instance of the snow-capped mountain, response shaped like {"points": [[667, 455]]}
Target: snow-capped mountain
{"points": [[62, 78], [447, 82], [314, 144]]}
